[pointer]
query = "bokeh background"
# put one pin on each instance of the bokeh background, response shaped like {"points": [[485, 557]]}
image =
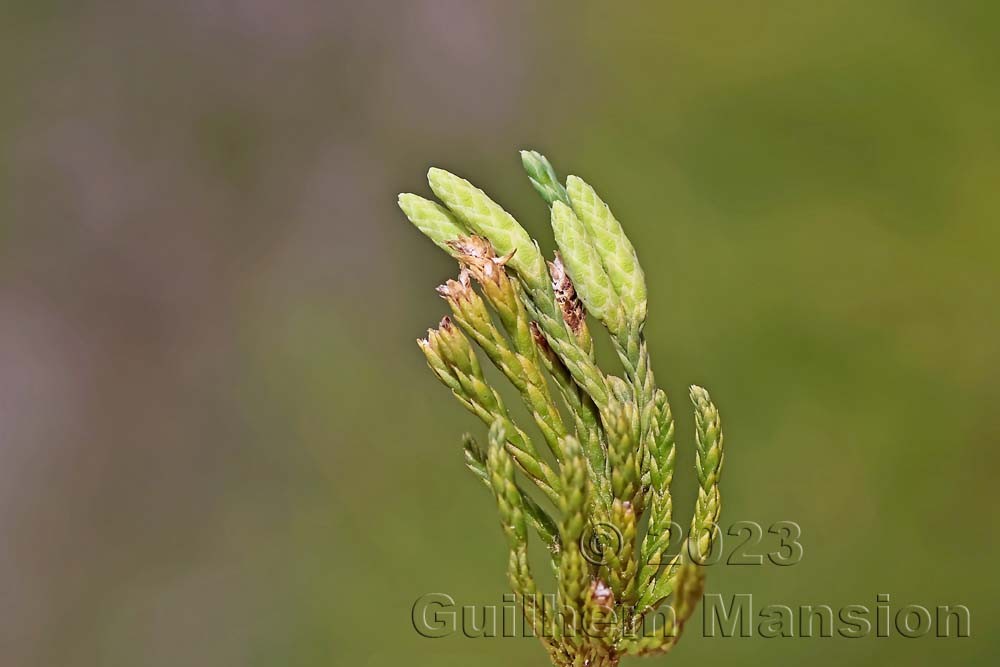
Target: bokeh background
{"points": [[219, 444]]}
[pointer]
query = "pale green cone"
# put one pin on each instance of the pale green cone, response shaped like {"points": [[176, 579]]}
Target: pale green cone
{"points": [[584, 266], [484, 216], [434, 220], [614, 248]]}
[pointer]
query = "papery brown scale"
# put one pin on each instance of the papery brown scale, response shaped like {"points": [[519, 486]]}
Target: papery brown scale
{"points": [[539, 337], [456, 290], [570, 305], [477, 256]]}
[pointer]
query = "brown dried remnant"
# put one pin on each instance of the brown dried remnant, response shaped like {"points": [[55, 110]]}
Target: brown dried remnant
{"points": [[457, 290], [570, 305], [601, 594], [477, 255], [434, 335], [539, 338]]}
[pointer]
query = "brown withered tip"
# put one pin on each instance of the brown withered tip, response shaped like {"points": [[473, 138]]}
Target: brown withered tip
{"points": [[456, 289], [473, 247], [571, 306], [478, 256], [446, 324], [557, 270]]}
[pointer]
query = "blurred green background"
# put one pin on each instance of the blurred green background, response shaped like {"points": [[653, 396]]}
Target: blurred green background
{"points": [[219, 444]]}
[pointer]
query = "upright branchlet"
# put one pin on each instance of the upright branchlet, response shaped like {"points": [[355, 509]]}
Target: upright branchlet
{"points": [[574, 571], [613, 437], [447, 350], [661, 472], [708, 463], [475, 461], [500, 468], [584, 265], [517, 361], [623, 452]]}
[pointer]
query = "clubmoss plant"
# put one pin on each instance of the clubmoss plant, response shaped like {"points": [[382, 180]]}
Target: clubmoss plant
{"points": [[605, 459]]}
